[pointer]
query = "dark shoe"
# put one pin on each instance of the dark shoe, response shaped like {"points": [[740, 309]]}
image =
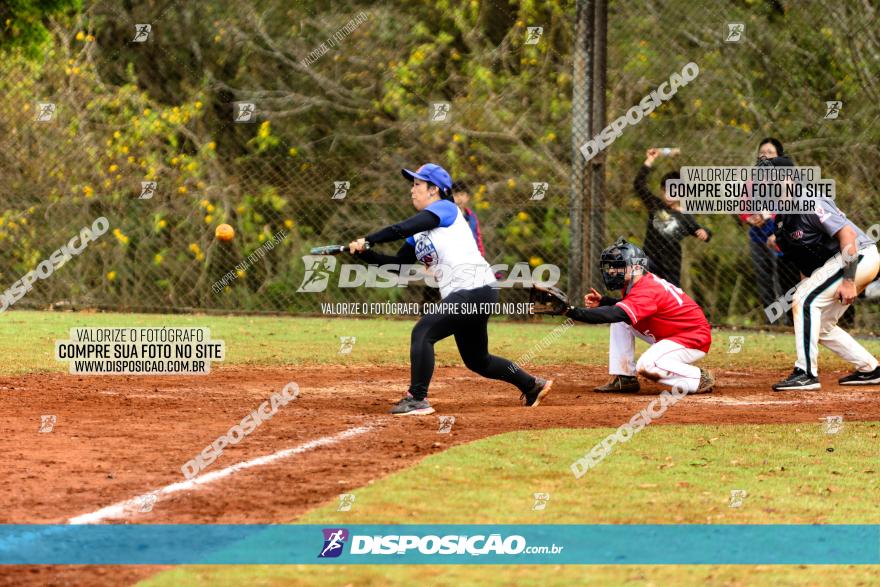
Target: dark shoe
{"points": [[798, 380], [410, 406], [707, 382], [539, 392], [620, 384], [859, 378]]}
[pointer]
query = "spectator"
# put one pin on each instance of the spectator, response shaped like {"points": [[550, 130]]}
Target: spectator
{"points": [[667, 226], [461, 195], [774, 275]]}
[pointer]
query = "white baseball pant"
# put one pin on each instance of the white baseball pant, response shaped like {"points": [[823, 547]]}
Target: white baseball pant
{"points": [[816, 310], [666, 361]]}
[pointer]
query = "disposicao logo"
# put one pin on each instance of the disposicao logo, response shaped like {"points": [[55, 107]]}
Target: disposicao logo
{"points": [[334, 540]]}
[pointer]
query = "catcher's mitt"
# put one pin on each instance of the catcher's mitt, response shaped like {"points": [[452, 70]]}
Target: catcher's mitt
{"points": [[548, 299]]}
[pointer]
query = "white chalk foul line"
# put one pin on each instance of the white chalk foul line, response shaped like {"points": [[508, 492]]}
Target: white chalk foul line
{"points": [[119, 510]]}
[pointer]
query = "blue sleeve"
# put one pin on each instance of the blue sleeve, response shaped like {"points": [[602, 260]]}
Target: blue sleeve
{"points": [[411, 241], [445, 210]]}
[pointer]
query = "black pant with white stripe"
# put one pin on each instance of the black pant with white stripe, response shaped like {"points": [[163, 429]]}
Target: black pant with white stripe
{"points": [[816, 311]]}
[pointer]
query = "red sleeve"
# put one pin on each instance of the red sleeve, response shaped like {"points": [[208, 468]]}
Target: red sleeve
{"points": [[479, 235], [639, 304]]}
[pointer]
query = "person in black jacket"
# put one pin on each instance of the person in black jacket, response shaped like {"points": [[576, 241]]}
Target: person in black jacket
{"points": [[774, 273], [666, 225]]}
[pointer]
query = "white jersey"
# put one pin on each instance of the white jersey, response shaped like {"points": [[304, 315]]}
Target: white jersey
{"points": [[450, 251]]}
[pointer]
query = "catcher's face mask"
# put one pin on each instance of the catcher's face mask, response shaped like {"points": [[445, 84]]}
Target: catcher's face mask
{"points": [[620, 263], [614, 273]]}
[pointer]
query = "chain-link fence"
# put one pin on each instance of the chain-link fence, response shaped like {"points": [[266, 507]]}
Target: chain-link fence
{"points": [[291, 124]]}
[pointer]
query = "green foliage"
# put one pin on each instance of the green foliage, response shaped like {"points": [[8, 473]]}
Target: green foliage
{"points": [[161, 111], [23, 23]]}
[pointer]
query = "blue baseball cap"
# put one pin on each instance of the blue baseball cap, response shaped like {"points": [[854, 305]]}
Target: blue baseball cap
{"points": [[430, 172]]}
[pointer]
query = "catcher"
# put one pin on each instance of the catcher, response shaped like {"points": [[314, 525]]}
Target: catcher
{"points": [[652, 309]]}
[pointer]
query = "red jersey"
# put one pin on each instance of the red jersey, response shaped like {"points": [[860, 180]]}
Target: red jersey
{"points": [[661, 310]]}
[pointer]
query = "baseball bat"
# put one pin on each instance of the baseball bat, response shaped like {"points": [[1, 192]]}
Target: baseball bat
{"points": [[332, 249]]}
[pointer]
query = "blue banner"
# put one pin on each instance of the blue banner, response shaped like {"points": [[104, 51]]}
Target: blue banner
{"points": [[173, 544]]}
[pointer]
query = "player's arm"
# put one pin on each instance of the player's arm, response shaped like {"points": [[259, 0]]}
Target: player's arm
{"points": [[594, 299], [405, 256], [847, 238], [442, 213], [424, 220], [547, 299], [832, 221], [600, 315]]}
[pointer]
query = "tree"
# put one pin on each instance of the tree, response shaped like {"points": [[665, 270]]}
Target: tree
{"points": [[23, 23]]}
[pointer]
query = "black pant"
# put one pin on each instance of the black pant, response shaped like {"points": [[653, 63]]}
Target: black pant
{"points": [[471, 337], [764, 264]]}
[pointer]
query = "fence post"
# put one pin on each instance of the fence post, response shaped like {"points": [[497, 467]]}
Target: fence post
{"points": [[580, 134], [597, 188]]}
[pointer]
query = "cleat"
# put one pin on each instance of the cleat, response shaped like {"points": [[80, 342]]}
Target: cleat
{"points": [[860, 378], [620, 384], [707, 382], [539, 392], [798, 381], [410, 406]]}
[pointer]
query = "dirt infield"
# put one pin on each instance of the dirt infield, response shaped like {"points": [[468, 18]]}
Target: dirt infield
{"points": [[119, 437]]}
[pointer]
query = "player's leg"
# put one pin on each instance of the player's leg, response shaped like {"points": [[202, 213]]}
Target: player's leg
{"points": [[669, 363], [621, 349], [847, 348], [428, 330], [473, 346], [811, 299], [807, 314], [839, 341], [472, 339], [621, 359]]}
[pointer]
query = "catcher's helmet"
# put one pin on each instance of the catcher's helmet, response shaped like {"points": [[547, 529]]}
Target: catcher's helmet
{"points": [[621, 255]]}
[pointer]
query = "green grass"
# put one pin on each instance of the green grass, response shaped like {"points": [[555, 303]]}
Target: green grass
{"points": [[514, 576], [27, 341], [666, 474]]}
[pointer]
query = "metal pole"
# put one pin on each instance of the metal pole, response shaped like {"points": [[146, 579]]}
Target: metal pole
{"points": [[597, 191], [580, 134]]}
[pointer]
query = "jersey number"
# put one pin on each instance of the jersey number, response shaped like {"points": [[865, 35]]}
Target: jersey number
{"points": [[673, 290]]}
